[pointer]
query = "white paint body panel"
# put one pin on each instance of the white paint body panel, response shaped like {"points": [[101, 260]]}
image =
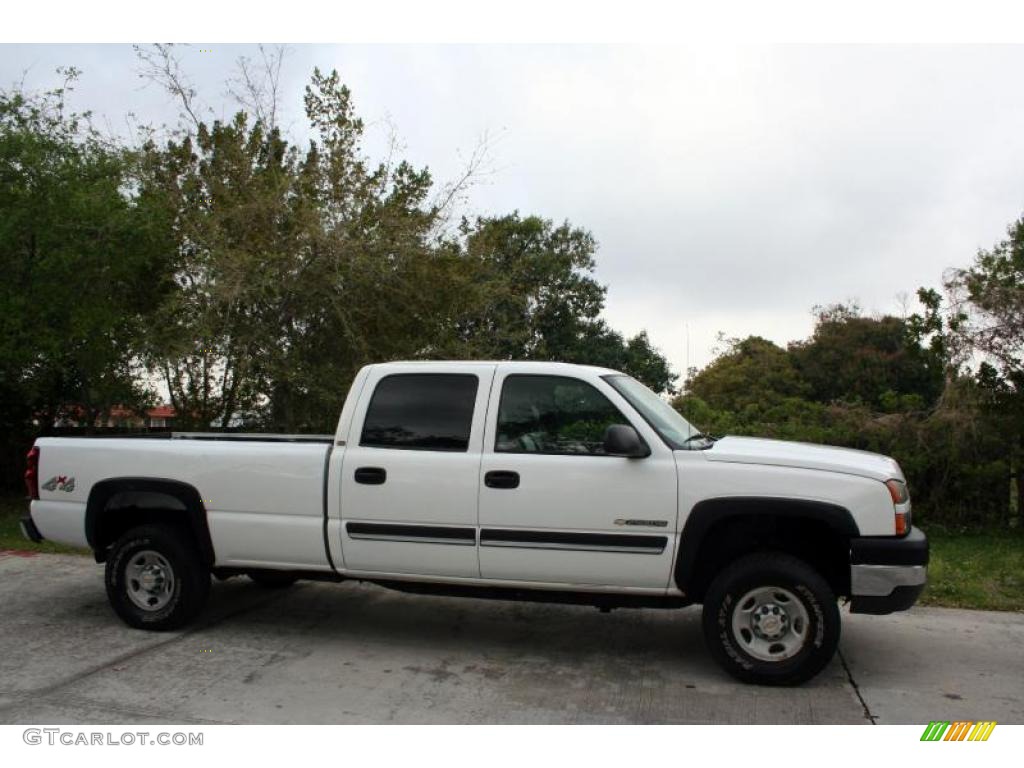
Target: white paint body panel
{"points": [[264, 501], [579, 494], [868, 500], [782, 453], [61, 521], [422, 488]]}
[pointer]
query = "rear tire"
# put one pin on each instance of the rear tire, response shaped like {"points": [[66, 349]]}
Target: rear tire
{"points": [[155, 578], [771, 619], [272, 579]]}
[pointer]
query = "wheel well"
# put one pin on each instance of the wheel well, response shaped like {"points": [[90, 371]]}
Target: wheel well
{"points": [[116, 506], [821, 543]]}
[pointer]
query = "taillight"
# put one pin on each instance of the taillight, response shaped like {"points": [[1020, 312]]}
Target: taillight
{"points": [[32, 472]]}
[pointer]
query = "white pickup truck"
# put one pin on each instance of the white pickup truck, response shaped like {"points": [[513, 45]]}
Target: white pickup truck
{"points": [[521, 480]]}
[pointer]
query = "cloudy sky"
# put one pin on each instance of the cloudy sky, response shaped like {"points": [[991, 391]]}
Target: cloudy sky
{"points": [[730, 189]]}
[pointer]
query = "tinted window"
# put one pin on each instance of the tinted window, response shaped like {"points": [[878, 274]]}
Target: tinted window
{"points": [[553, 414], [427, 412]]}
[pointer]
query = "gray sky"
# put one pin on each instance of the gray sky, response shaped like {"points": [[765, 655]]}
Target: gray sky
{"points": [[730, 189]]}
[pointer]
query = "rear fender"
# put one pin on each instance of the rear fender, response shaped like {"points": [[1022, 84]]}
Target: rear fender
{"points": [[192, 510]]}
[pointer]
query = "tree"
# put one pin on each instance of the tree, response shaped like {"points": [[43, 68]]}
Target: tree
{"points": [[533, 286], [534, 297], [296, 266], [600, 345], [293, 269], [992, 293], [254, 276], [876, 361], [80, 271], [987, 311], [750, 372], [950, 448], [220, 198]]}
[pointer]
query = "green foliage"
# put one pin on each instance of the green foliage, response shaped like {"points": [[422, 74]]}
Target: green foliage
{"points": [[976, 570], [994, 289], [600, 345], [293, 268], [534, 285], [951, 448], [749, 376], [254, 276], [533, 297], [80, 272], [987, 318], [867, 359]]}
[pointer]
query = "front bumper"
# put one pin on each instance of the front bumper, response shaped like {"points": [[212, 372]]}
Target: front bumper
{"points": [[29, 530], [887, 574]]}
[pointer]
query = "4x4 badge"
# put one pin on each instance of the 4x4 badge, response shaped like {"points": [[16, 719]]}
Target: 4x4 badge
{"points": [[60, 483]]}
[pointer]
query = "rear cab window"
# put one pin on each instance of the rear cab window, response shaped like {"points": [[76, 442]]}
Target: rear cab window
{"points": [[421, 412]]}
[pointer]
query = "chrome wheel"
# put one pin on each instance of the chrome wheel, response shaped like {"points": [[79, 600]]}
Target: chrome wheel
{"points": [[149, 580], [770, 623]]}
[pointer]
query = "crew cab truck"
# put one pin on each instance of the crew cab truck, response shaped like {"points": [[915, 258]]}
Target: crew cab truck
{"points": [[519, 480]]}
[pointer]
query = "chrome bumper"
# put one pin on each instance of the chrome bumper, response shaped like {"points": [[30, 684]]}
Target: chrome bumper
{"points": [[887, 573], [881, 580]]}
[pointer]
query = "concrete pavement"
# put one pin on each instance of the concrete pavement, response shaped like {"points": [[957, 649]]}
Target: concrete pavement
{"points": [[354, 653]]}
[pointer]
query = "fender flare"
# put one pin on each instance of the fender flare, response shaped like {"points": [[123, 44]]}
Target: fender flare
{"points": [[195, 511], [709, 512]]}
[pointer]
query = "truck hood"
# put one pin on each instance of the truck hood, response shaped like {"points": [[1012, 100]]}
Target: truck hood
{"points": [[781, 453]]}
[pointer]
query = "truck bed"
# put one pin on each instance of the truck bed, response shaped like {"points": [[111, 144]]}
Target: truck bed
{"points": [[263, 494]]}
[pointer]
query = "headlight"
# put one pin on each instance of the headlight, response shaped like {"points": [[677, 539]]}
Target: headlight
{"points": [[900, 498], [898, 491]]}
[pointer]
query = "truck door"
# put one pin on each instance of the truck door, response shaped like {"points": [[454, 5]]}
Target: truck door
{"points": [[553, 506], [410, 472]]}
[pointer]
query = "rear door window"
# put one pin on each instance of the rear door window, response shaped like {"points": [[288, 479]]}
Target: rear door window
{"points": [[421, 412]]}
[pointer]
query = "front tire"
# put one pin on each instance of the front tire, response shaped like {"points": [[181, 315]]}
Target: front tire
{"points": [[155, 579], [771, 619]]}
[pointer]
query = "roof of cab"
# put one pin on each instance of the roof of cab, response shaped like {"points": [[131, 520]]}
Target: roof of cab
{"points": [[539, 364]]}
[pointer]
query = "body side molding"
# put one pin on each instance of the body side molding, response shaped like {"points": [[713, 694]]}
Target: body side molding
{"points": [[585, 542], [427, 534]]}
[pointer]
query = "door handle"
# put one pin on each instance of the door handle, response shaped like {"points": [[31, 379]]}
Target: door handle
{"points": [[501, 478], [371, 475]]}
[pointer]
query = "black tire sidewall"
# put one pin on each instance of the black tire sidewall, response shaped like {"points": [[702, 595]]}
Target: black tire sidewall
{"points": [[191, 583], [779, 571]]}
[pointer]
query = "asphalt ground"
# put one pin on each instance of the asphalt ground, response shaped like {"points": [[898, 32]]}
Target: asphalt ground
{"points": [[357, 653]]}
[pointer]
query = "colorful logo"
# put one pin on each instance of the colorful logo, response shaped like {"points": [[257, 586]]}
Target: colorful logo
{"points": [[960, 730]]}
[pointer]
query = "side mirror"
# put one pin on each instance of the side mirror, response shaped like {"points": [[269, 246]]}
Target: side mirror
{"points": [[623, 440]]}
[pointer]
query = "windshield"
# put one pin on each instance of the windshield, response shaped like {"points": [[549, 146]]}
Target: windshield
{"points": [[666, 421]]}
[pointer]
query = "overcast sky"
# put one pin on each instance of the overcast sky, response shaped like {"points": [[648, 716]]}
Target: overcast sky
{"points": [[729, 189]]}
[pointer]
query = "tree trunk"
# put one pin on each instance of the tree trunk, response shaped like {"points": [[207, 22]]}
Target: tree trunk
{"points": [[282, 413]]}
